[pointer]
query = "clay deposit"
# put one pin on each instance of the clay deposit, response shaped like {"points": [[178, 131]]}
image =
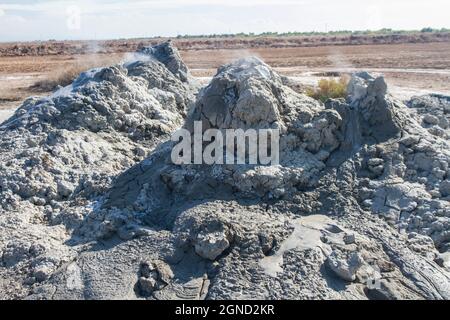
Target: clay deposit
{"points": [[91, 206]]}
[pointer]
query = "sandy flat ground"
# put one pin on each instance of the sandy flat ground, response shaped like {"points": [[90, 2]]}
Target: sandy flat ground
{"points": [[410, 69], [5, 114]]}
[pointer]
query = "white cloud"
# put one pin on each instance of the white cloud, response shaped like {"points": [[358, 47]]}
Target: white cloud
{"points": [[107, 5]]}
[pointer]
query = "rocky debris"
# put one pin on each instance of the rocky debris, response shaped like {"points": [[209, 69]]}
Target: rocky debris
{"points": [[154, 276], [430, 119], [444, 188], [423, 245], [211, 245], [444, 260], [19, 251], [376, 166], [345, 266], [434, 109], [147, 286], [406, 171], [44, 268], [92, 207]]}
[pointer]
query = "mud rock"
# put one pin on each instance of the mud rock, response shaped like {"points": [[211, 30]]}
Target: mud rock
{"points": [[17, 251], [444, 188], [430, 119], [157, 270], [433, 108], [147, 285], [211, 245], [92, 207], [65, 189], [43, 269], [443, 260], [345, 266]]}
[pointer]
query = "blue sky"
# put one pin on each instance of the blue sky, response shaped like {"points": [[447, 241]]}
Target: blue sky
{"points": [[106, 19]]}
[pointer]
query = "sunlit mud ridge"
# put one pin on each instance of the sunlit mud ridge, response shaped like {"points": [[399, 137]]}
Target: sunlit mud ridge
{"points": [[92, 207]]}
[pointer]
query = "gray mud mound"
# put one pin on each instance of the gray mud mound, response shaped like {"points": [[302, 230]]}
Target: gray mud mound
{"points": [[92, 206], [58, 154]]}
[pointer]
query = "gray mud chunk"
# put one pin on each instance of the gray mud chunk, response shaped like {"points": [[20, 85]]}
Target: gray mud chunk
{"points": [[434, 109], [344, 265], [44, 268], [165, 273], [376, 166], [349, 238], [17, 251], [147, 285], [443, 260], [444, 188], [211, 245], [430, 119], [148, 270], [65, 189], [157, 270]]}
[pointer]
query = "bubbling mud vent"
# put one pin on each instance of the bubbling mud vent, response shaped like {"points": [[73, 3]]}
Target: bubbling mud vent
{"points": [[92, 207]]}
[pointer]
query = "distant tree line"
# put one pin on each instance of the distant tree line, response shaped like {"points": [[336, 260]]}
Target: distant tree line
{"points": [[384, 31]]}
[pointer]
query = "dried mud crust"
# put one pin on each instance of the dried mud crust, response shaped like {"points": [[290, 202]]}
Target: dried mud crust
{"points": [[91, 207]]}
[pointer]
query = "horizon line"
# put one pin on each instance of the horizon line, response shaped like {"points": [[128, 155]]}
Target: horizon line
{"points": [[382, 31]]}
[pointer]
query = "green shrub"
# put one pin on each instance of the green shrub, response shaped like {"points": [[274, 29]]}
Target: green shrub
{"points": [[329, 88]]}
